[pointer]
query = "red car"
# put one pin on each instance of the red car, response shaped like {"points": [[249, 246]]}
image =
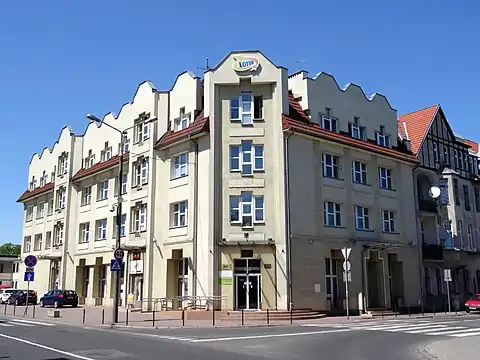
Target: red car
{"points": [[473, 304]]}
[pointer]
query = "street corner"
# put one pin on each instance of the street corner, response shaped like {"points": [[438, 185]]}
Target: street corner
{"points": [[451, 349]]}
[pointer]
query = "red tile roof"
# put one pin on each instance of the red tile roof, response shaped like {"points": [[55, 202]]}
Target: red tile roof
{"points": [[101, 166], [298, 121], [418, 123], [473, 144], [201, 125], [36, 192]]}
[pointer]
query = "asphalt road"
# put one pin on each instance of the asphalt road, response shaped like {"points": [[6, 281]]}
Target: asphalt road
{"points": [[396, 340]]}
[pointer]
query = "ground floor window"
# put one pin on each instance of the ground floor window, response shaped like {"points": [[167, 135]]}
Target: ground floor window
{"points": [[331, 280]]}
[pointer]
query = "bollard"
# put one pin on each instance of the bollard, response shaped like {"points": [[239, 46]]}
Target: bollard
{"points": [[423, 310], [14, 309], [409, 312], [213, 317], [34, 307], [183, 317], [84, 315], [126, 317], [382, 312], [243, 318], [433, 309], [268, 317], [291, 314], [396, 311], [5, 313], [103, 316], [153, 316]]}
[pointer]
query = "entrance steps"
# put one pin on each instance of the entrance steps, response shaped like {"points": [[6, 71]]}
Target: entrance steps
{"points": [[372, 313]]}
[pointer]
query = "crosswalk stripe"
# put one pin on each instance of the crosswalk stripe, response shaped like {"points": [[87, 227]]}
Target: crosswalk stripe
{"points": [[426, 329], [466, 334], [399, 327], [5, 324], [33, 322], [21, 324], [458, 329]]}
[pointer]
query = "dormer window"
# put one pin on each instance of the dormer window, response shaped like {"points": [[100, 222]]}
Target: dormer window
{"points": [[183, 121], [43, 179], [142, 128], [33, 184], [328, 123], [62, 167], [446, 155], [89, 161], [382, 138], [355, 130], [455, 157], [106, 152]]}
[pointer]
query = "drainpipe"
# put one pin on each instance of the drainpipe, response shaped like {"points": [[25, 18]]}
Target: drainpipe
{"points": [[364, 289], [419, 241], [195, 217], [288, 234]]}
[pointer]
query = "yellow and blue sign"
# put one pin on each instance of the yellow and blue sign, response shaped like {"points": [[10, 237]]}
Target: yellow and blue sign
{"points": [[245, 63]]}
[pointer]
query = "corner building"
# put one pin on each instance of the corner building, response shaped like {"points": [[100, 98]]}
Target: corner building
{"points": [[242, 187]]}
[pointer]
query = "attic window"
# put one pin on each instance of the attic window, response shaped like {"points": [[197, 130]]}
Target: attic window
{"points": [[355, 130], [183, 120], [382, 138]]}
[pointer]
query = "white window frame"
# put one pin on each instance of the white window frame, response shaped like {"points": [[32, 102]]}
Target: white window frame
{"points": [[48, 240], [247, 209], [58, 235], [139, 218], [124, 183], [385, 178], [182, 122], [179, 214], [245, 108], [106, 153], [141, 172], [329, 123], [333, 166], [359, 169], [388, 221], [125, 145], [123, 226], [27, 244], [142, 131], [37, 242], [29, 213], [101, 229], [246, 161], [41, 210], [86, 196], [103, 190], [84, 233], [362, 217], [356, 129], [332, 210], [332, 279], [382, 138], [61, 198], [51, 206], [180, 165]]}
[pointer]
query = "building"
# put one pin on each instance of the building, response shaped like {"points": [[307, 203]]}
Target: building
{"points": [[243, 186], [449, 227], [7, 270]]}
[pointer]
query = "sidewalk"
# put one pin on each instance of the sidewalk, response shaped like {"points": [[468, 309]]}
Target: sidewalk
{"points": [[456, 349]]}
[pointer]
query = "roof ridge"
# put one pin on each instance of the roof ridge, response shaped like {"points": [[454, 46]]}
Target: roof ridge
{"points": [[413, 112]]}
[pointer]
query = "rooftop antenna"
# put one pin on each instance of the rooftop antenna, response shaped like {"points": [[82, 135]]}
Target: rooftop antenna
{"points": [[298, 62], [206, 68]]}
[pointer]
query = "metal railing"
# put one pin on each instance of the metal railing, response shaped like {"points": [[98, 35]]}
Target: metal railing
{"points": [[177, 303]]}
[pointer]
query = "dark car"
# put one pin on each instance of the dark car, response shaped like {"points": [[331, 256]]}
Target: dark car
{"points": [[19, 297], [59, 298]]}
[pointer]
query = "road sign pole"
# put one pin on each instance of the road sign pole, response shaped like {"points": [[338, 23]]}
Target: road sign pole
{"points": [[448, 297], [346, 294]]}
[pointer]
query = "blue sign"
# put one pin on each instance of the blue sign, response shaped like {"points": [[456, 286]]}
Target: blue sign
{"points": [[29, 276], [118, 254], [115, 265], [30, 261]]}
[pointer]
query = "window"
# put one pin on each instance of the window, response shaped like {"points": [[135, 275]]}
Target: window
{"points": [[477, 199], [40, 210], [446, 155], [439, 276], [460, 233], [241, 108], [460, 158], [246, 158], [139, 218], [247, 209], [125, 145], [183, 121], [385, 178], [444, 197], [50, 207], [179, 214], [33, 184], [62, 167], [84, 233], [332, 290], [180, 166], [29, 213], [331, 214], [102, 193], [61, 198], [58, 235], [475, 167], [106, 152], [329, 123], [122, 226], [435, 152], [37, 245], [27, 243], [388, 220], [86, 195], [456, 195], [330, 166], [140, 173], [43, 179], [258, 107], [355, 130], [455, 157], [124, 183], [466, 198], [48, 240], [470, 237], [141, 131], [382, 138], [359, 172], [361, 218], [89, 161], [101, 229]]}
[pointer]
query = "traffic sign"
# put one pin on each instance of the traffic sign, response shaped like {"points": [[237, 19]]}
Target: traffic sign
{"points": [[29, 276], [447, 274], [115, 265], [346, 252], [30, 261], [118, 254], [347, 266], [30, 269], [347, 276]]}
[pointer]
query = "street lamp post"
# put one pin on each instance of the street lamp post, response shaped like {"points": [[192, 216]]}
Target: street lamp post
{"points": [[123, 133]]}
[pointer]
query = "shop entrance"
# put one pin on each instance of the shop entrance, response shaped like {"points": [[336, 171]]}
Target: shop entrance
{"points": [[247, 284]]}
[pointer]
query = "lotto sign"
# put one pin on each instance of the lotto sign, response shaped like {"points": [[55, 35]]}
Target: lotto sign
{"points": [[245, 63]]}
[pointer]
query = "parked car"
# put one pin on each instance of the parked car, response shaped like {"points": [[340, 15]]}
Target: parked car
{"points": [[19, 297], [473, 304], [59, 298], [5, 295]]}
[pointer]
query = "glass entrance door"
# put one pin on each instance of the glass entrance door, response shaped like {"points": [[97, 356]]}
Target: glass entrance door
{"points": [[253, 292], [241, 284], [247, 284]]}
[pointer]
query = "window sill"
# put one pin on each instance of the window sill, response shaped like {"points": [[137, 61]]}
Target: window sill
{"points": [[177, 227], [365, 230], [387, 189], [173, 178], [390, 232], [359, 183], [334, 226], [332, 178]]}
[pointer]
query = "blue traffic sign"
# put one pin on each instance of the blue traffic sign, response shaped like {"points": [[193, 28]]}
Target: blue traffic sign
{"points": [[115, 265], [30, 261], [29, 276], [118, 254]]}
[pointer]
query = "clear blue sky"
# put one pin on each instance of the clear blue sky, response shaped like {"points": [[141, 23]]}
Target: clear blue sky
{"points": [[59, 62]]}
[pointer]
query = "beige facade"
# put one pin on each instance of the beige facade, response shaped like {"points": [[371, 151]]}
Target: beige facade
{"points": [[244, 186]]}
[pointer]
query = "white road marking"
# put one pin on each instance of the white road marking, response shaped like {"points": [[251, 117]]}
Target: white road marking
{"points": [[19, 323], [267, 336], [467, 334], [460, 329], [427, 329], [58, 351], [5, 324], [33, 322]]}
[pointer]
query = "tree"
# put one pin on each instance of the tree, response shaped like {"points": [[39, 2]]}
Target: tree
{"points": [[10, 249]]}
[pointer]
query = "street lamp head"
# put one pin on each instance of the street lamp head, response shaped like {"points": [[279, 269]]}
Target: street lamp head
{"points": [[434, 192], [93, 119]]}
